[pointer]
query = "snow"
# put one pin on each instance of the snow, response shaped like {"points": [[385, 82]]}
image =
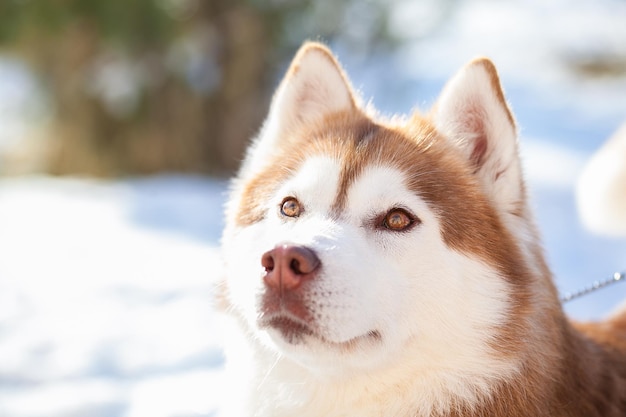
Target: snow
{"points": [[106, 286], [105, 297]]}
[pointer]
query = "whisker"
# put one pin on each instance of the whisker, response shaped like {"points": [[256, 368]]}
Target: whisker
{"points": [[269, 371]]}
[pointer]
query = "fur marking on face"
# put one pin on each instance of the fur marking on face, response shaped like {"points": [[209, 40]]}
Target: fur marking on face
{"points": [[380, 267]]}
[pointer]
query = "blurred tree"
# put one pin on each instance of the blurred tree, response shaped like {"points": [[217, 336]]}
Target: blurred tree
{"points": [[141, 86]]}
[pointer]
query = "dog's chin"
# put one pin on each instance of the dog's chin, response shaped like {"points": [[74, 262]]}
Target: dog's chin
{"points": [[291, 332]]}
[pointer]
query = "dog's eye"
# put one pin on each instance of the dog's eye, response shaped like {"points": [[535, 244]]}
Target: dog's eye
{"points": [[290, 207], [398, 220]]}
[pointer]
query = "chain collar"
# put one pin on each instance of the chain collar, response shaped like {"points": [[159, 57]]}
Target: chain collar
{"points": [[617, 277]]}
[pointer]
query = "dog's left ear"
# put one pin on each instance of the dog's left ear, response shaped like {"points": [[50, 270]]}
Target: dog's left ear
{"points": [[473, 114]]}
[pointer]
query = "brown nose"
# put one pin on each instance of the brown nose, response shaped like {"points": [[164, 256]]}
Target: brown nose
{"points": [[287, 266]]}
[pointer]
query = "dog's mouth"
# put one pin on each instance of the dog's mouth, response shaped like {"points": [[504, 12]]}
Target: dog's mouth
{"points": [[292, 330], [295, 331]]}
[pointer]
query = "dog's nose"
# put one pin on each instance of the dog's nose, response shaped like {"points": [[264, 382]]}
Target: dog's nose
{"points": [[287, 266]]}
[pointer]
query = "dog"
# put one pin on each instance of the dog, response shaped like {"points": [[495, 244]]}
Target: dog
{"points": [[391, 266], [601, 190]]}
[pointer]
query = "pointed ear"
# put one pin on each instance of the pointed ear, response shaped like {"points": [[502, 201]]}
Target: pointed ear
{"points": [[314, 86], [473, 114]]}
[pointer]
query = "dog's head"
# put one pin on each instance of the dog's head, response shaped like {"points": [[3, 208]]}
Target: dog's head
{"points": [[352, 240]]}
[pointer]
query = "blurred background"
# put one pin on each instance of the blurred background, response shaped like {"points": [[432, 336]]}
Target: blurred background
{"points": [[112, 88], [121, 120]]}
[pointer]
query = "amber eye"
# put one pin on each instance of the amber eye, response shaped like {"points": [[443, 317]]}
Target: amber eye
{"points": [[397, 220], [290, 207]]}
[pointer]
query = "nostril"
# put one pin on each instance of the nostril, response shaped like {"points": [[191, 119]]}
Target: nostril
{"points": [[295, 266], [302, 261], [267, 261]]}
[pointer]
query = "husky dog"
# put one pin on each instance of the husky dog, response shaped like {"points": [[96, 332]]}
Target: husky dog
{"points": [[392, 268]]}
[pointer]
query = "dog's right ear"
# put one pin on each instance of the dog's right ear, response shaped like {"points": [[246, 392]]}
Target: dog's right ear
{"points": [[315, 86]]}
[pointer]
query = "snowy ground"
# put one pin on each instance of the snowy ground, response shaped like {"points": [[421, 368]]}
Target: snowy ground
{"points": [[105, 287], [105, 293]]}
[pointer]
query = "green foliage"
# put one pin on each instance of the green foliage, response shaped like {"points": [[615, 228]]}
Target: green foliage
{"points": [[140, 86], [135, 23]]}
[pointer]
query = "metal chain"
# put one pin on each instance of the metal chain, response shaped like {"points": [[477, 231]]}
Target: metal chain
{"points": [[617, 277]]}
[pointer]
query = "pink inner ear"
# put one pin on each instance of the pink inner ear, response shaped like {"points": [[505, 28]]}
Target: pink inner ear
{"points": [[479, 150], [476, 129], [310, 100]]}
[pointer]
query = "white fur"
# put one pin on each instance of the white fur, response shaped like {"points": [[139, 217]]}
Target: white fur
{"points": [[434, 308]]}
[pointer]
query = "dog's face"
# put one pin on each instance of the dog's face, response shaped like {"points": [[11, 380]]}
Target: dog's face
{"points": [[351, 241]]}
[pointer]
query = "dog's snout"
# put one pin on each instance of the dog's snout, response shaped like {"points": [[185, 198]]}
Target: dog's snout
{"points": [[287, 266]]}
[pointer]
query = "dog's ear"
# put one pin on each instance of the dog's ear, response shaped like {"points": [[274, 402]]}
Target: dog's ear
{"points": [[473, 114], [314, 86]]}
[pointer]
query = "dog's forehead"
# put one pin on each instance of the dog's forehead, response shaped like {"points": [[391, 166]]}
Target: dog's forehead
{"points": [[360, 160], [380, 162], [316, 181], [329, 159], [320, 183]]}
